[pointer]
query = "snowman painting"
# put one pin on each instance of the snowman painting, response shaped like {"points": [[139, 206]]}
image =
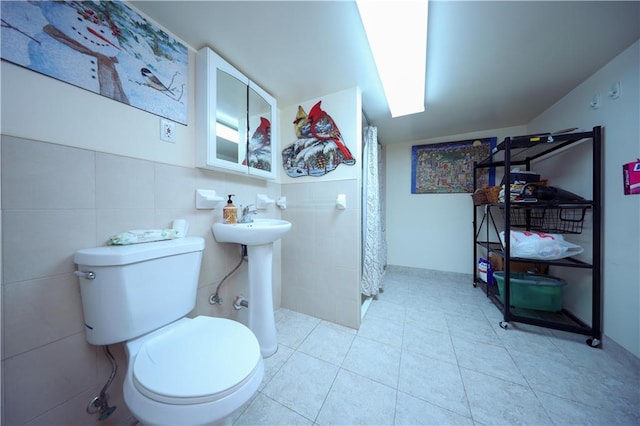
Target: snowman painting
{"points": [[101, 46], [91, 41]]}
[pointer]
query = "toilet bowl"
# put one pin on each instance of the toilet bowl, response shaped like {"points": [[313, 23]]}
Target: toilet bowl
{"points": [[194, 371], [180, 371]]}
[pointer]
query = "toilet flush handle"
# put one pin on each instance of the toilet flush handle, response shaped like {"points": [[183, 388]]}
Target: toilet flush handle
{"points": [[85, 274]]}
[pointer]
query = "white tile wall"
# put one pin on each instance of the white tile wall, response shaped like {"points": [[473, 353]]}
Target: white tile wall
{"points": [[46, 176], [47, 376], [321, 254], [58, 199], [32, 316], [39, 243], [124, 183]]}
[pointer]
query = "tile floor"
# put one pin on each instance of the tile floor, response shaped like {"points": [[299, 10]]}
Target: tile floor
{"points": [[430, 351]]}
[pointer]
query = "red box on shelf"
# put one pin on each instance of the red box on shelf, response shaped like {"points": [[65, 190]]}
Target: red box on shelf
{"points": [[631, 177]]}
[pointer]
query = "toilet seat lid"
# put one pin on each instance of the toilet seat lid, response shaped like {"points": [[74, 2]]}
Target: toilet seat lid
{"points": [[200, 360]]}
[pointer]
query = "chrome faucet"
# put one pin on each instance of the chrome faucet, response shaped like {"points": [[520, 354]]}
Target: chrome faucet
{"points": [[247, 214]]}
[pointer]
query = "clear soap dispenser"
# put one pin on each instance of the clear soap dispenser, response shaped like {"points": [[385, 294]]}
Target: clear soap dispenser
{"points": [[230, 212]]}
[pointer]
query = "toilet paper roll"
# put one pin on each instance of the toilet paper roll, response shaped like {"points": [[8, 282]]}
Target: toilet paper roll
{"points": [[181, 226]]}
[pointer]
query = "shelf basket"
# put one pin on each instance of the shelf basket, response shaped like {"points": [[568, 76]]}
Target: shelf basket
{"points": [[486, 195], [492, 193], [551, 219], [479, 197]]}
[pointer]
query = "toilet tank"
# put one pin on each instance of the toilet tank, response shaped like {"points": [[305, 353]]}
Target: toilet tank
{"points": [[137, 288]]}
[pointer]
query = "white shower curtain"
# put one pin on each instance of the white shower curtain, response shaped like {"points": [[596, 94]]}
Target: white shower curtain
{"points": [[374, 242]]}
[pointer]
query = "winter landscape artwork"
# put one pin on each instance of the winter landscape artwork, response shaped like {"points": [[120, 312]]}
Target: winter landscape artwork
{"points": [[319, 147], [101, 46], [448, 167]]}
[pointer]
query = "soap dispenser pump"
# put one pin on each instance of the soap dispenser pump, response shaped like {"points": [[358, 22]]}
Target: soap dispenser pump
{"points": [[230, 212]]}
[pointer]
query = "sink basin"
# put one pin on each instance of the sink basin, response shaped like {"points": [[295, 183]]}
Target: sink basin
{"points": [[260, 231]]}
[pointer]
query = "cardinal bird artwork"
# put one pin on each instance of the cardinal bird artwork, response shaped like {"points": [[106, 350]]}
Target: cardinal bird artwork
{"points": [[319, 147], [324, 128], [259, 152]]}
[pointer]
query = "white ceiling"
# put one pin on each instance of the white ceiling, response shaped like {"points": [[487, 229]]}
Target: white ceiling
{"points": [[489, 64]]}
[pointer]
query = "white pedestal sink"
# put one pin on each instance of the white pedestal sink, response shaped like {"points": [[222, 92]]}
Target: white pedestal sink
{"points": [[258, 236]]}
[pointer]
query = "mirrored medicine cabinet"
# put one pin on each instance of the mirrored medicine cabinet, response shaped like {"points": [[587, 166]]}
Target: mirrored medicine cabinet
{"points": [[235, 120]]}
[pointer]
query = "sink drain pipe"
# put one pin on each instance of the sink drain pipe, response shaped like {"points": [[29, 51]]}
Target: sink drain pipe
{"points": [[215, 299]]}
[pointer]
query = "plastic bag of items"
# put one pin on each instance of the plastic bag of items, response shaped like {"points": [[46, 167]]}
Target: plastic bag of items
{"points": [[538, 245]]}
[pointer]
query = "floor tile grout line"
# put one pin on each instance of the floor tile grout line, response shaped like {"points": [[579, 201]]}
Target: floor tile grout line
{"points": [[464, 386], [450, 297], [291, 409], [296, 350], [280, 367], [315, 420], [395, 405]]}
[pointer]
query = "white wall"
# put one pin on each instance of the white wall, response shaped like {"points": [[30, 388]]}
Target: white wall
{"points": [[49, 371], [621, 121], [431, 231], [324, 238], [42, 108], [434, 231], [42, 114], [58, 199]]}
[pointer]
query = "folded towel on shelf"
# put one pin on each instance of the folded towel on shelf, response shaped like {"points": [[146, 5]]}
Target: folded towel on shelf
{"points": [[515, 192], [143, 236]]}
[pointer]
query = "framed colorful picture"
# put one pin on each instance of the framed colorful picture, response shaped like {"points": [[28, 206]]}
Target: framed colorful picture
{"points": [[448, 167], [101, 46]]}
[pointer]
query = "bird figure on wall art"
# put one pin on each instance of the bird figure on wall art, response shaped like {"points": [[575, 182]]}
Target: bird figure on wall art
{"points": [[260, 146], [153, 81], [261, 137], [301, 124], [324, 128], [318, 148]]}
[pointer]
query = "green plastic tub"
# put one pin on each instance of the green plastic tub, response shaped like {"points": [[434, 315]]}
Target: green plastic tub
{"points": [[532, 291]]}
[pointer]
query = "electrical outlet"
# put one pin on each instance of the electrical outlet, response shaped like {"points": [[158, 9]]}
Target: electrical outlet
{"points": [[167, 131]]}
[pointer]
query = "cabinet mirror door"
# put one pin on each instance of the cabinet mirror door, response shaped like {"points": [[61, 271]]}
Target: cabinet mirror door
{"points": [[231, 120], [261, 149], [235, 120]]}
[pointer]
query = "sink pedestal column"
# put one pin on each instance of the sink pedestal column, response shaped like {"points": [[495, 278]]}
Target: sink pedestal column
{"points": [[261, 319]]}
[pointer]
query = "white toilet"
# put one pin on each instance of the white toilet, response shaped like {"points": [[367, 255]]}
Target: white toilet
{"points": [[180, 371]]}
